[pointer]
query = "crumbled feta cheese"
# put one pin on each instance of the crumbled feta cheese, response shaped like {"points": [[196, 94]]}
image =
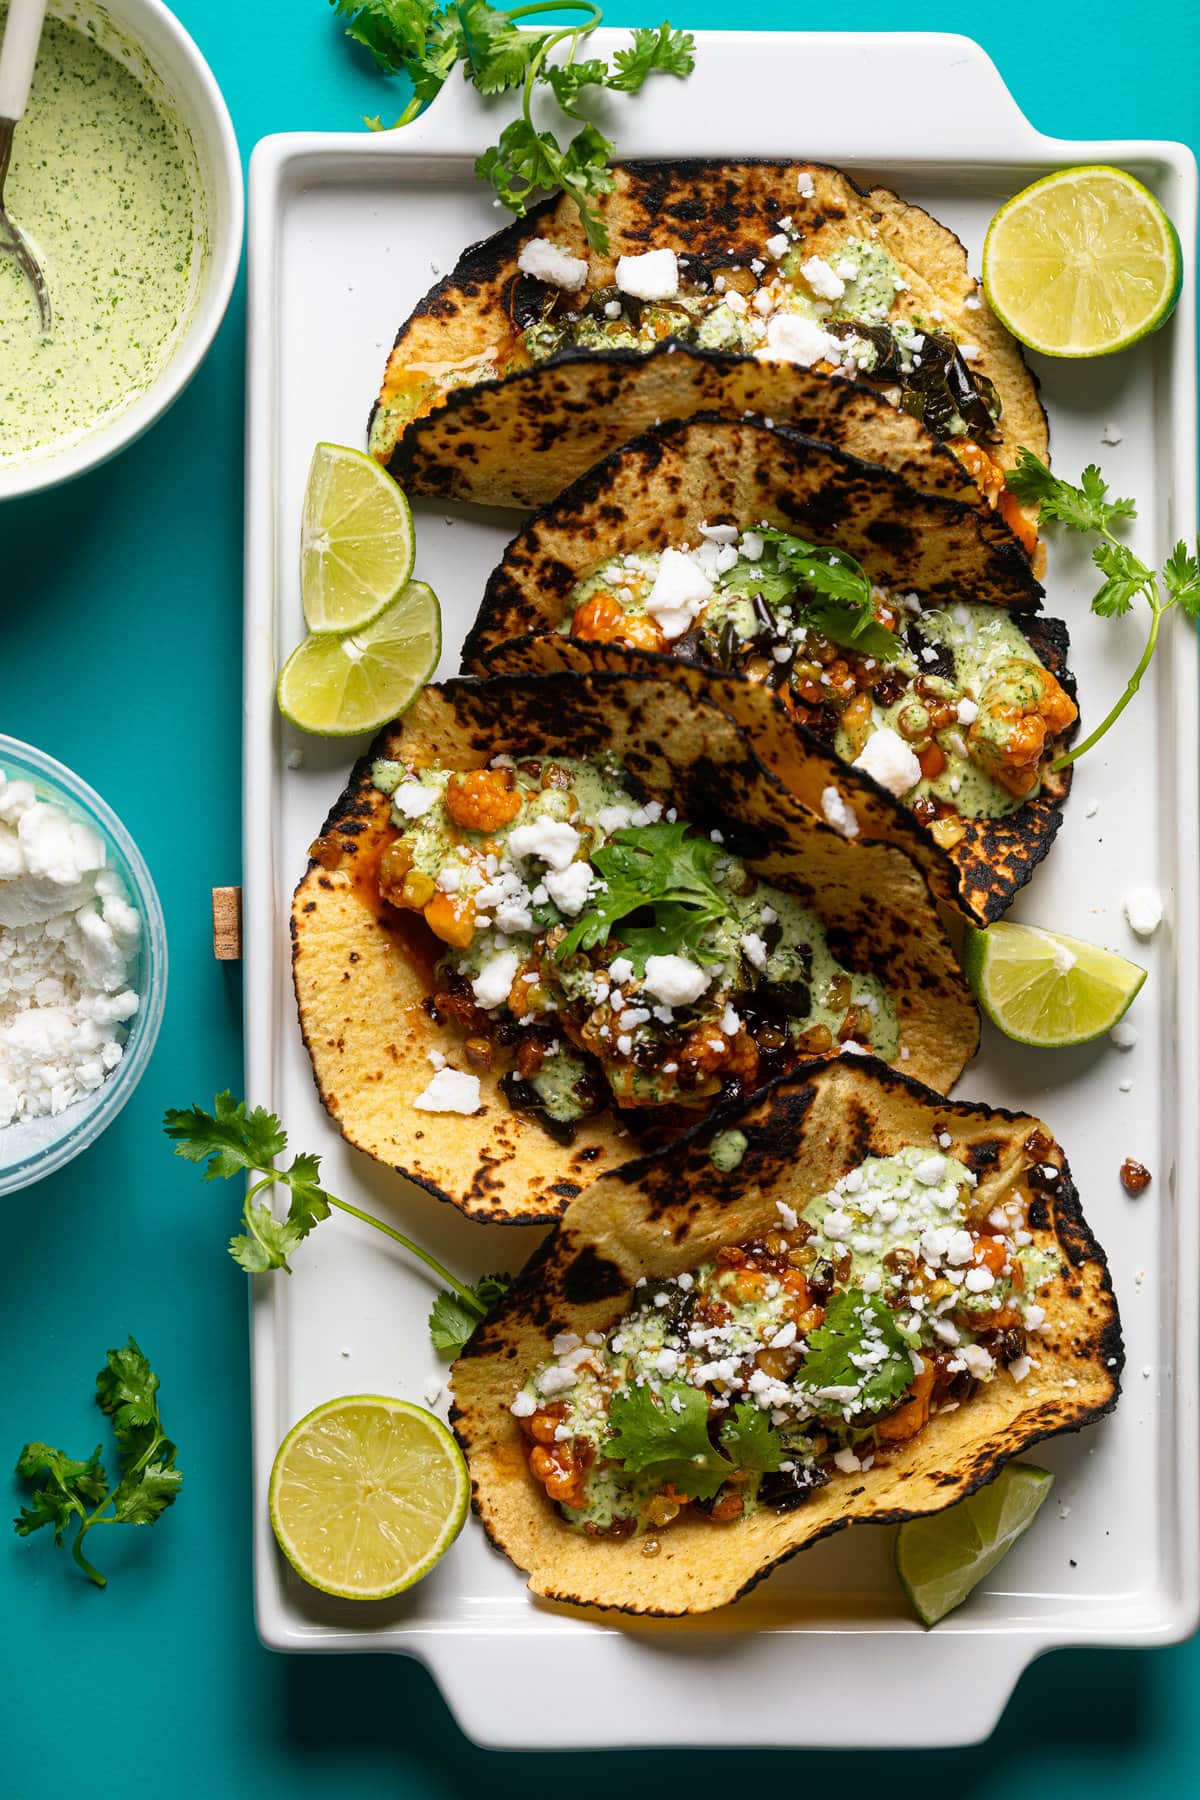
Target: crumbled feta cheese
{"points": [[1144, 911], [804, 185], [977, 1361], [652, 276], [524, 1406], [968, 711], [889, 761], [494, 981], [822, 279], [680, 589], [753, 544], [414, 800], [846, 1460], [979, 1281], [788, 1217], [551, 841], [675, 980], [778, 245], [838, 813], [450, 1091], [793, 338], [1124, 1035], [612, 309], [549, 262], [719, 534], [754, 949], [570, 887], [1111, 434], [1019, 1367]]}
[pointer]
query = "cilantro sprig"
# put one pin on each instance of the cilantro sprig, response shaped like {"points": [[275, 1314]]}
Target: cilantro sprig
{"points": [[854, 1323], [235, 1139], [1088, 508], [79, 1494], [833, 591], [426, 39], [658, 866], [668, 1435]]}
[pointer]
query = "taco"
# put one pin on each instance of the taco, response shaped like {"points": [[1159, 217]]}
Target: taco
{"points": [[893, 635], [738, 287], [851, 1301], [553, 917]]}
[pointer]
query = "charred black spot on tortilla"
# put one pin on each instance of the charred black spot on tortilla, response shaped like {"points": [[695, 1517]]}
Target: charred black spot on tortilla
{"points": [[984, 1153], [591, 1277]]}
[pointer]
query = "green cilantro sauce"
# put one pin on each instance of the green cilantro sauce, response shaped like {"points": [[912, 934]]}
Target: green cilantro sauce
{"points": [[106, 185], [980, 640], [763, 939], [909, 1288]]}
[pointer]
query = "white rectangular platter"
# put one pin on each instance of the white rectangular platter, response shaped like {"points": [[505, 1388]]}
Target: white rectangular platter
{"points": [[346, 233]]}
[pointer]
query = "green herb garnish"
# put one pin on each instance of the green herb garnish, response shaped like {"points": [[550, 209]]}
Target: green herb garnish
{"points": [[658, 866], [80, 1493], [236, 1140], [1088, 508], [425, 39], [833, 591], [668, 1435], [855, 1322]]}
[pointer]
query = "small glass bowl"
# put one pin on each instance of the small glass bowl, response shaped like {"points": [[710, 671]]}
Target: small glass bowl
{"points": [[32, 1148]]}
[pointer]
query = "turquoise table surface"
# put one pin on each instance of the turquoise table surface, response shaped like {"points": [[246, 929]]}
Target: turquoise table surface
{"points": [[120, 625]]}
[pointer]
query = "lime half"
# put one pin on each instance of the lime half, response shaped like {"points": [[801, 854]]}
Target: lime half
{"points": [[366, 1494], [339, 686], [1045, 989], [942, 1558], [356, 540], [1082, 263]]}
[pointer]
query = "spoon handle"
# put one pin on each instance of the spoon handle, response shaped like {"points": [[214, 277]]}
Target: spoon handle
{"points": [[18, 54]]}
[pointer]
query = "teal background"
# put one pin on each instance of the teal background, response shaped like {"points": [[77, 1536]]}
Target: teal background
{"points": [[120, 624]]}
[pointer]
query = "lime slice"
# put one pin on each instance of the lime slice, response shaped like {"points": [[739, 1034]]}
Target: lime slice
{"points": [[1082, 263], [1045, 989], [356, 540], [366, 1494], [339, 686], [942, 1558]]}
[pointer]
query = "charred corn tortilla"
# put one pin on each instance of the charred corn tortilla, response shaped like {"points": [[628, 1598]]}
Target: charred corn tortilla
{"points": [[659, 489], [519, 440], [669, 1213], [362, 973]]}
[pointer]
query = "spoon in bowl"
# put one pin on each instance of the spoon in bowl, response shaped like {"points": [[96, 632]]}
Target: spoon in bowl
{"points": [[18, 54]]}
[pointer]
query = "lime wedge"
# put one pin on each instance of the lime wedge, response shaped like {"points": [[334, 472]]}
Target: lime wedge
{"points": [[1045, 989], [1082, 263], [366, 1494], [356, 540], [339, 686], [942, 1558]]}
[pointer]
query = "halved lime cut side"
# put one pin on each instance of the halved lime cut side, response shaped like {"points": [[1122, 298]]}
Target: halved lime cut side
{"points": [[356, 540], [340, 686], [1082, 263], [941, 1559], [1045, 989], [366, 1495]]}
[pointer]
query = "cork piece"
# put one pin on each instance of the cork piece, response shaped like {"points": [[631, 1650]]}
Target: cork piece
{"points": [[227, 924]]}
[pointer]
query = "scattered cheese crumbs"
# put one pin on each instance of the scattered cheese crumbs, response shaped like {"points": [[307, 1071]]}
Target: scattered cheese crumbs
{"points": [[433, 1390], [436, 1059], [675, 980], [569, 888], [822, 280], [846, 1460], [1111, 435], [450, 1091], [778, 245], [1124, 1035], [754, 949], [1091, 809], [788, 1217], [1019, 1367], [524, 1406], [492, 985], [889, 761], [413, 800], [793, 338], [681, 589], [652, 276], [549, 262], [295, 758], [1144, 911], [838, 813], [804, 185], [968, 712], [552, 841], [1124, 1087]]}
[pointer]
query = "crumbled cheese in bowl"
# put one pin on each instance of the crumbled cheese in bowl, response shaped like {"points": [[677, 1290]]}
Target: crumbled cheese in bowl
{"points": [[77, 954]]}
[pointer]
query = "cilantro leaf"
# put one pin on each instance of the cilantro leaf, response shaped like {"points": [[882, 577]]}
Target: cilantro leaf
{"points": [[1083, 508], [497, 52], [677, 931], [858, 1325], [1181, 577], [569, 80], [749, 1440], [834, 593], [661, 52], [127, 1390], [1127, 576], [649, 865], [668, 1436], [393, 31], [453, 1318], [230, 1138]]}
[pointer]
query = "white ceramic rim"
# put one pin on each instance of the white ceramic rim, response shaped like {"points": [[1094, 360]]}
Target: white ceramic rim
{"points": [[152, 977], [226, 230]]}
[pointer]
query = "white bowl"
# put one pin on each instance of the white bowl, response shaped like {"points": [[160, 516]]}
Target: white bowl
{"points": [[151, 42]]}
